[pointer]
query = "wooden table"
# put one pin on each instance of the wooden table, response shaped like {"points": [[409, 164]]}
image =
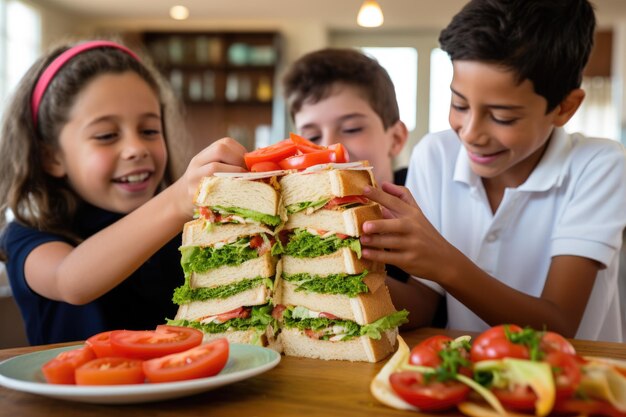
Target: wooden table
{"points": [[296, 387]]}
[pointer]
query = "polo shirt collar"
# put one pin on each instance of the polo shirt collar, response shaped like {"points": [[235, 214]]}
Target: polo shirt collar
{"points": [[550, 172]]}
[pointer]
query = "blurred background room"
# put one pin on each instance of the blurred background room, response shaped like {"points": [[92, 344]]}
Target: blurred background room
{"points": [[225, 60]]}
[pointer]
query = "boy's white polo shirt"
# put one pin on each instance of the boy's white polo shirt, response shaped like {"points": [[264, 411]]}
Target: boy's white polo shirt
{"points": [[573, 203]]}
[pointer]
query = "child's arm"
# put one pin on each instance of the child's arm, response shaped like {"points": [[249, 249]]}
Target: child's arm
{"points": [[81, 274], [418, 299], [414, 245]]}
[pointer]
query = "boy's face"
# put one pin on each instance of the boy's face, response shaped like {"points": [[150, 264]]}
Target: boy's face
{"points": [[503, 125], [346, 117]]}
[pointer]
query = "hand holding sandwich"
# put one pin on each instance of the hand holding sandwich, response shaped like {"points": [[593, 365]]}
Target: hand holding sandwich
{"points": [[405, 237]]}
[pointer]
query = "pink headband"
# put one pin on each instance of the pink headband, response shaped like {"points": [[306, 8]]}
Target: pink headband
{"points": [[51, 70]]}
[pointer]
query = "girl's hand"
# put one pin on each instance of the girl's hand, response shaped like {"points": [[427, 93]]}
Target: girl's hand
{"points": [[404, 237], [223, 155]]}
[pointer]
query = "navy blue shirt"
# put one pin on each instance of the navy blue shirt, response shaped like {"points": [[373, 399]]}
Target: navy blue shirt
{"points": [[142, 301]]}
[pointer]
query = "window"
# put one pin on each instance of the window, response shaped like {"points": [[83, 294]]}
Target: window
{"points": [[440, 95], [401, 65], [20, 43]]}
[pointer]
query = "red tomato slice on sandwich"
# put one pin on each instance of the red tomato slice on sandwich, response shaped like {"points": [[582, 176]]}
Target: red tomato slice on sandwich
{"points": [[148, 344], [273, 153], [199, 362], [306, 160], [110, 371], [62, 368], [341, 154], [265, 166], [101, 344], [304, 145]]}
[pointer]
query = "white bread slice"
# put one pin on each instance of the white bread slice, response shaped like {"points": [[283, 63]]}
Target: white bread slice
{"points": [[315, 186], [264, 266], [363, 309], [238, 192], [349, 221], [197, 310], [363, 349], [195, 232], [342, 261]]}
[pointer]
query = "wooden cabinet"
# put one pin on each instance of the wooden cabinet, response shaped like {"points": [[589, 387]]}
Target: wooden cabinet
{"points": [[226, 81]]}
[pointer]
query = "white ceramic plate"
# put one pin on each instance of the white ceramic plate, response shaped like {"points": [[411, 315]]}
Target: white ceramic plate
{"points": [[23, 373]]}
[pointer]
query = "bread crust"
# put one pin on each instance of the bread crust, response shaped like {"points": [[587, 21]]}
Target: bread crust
{"points": [[319, 185], [342, 261], [348, 222], [365, 308]]}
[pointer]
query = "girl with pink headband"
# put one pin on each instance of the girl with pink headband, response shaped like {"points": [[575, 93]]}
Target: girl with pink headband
{"points": [[86, 170]]}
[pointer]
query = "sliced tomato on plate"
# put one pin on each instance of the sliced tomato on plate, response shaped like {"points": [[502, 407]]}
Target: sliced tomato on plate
{"points": [[554, 342], [518, 398], [101, 344], [427, 396], [494, 344], [566, 370], [199, 362], [111, 371], [148, 344], [61, 369], [273, 153]]}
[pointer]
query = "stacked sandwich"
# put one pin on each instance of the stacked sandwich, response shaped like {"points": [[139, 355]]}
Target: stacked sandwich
{"points": [[227, 260], [331, 303]]}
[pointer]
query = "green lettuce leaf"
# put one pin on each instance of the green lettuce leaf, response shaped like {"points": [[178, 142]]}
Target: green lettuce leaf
{"points": [[185, 294], [201, 259], [303, 244], [249, 214], [297, 317], [350, 285], [297, 207]]}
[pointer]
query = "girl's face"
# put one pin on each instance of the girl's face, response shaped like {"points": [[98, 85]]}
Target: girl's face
{"points": [[112, 149]]}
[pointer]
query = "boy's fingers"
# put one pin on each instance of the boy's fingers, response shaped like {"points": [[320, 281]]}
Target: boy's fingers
{"points": [[392, 225], [386, 257], [387, 241], [400, 192], [226, 151]]}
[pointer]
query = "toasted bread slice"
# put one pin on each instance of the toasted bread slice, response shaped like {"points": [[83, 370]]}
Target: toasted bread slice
{"points": [[348, 222], [326, 184], [364, 349]]}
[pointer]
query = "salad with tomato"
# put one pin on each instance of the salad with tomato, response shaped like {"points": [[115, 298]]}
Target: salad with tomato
{"points": [[296, 153], [506, 370], [120, 357]]}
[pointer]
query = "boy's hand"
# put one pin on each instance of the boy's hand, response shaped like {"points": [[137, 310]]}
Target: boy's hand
{"points": [[223, 155], [404, 237]]}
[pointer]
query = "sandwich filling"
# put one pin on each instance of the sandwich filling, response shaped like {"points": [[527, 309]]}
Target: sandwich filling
{"points": [[203, 258], [326, 326], [242, 318], [309, 243], [222, 215], [337, 203], [342, 284], [186, 294]]}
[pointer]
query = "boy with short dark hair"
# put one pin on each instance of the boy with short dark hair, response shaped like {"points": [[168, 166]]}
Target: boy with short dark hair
{"points": [[342, 96], [511, 219]]}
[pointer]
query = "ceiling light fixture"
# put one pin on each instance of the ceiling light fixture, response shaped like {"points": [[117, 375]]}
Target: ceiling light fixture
{"points": [[179, 12], [370, 15]]}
